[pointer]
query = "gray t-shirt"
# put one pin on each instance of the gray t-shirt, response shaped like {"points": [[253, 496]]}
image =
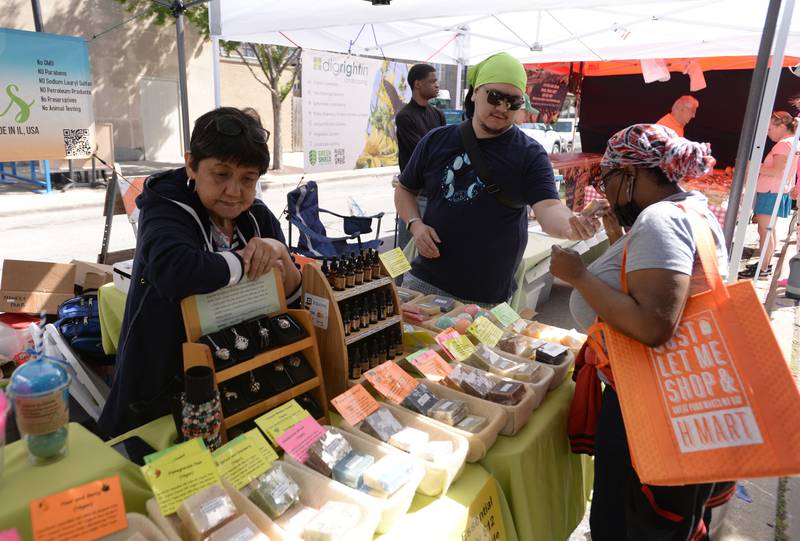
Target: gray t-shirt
{"points": [[661, 238]]}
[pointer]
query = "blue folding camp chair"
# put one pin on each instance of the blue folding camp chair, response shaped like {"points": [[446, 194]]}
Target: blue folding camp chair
{"points": [[303, 212]]}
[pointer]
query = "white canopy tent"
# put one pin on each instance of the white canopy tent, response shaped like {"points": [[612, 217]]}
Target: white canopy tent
{"points": [[530, 30], [539, 31]]}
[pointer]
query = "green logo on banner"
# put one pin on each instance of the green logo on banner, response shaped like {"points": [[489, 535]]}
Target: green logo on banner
{"points": [[312, 157], [24, 108]]}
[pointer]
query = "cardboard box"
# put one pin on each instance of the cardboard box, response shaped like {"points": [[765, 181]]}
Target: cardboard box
{"points": [[92, 275], [34, 286]]}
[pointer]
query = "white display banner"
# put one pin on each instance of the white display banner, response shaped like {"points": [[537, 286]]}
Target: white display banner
{"points": [[46, 107], [349, 104]]}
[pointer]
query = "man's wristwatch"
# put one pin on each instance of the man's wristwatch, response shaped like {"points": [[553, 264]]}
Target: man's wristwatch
{"points": [[411, 221]]}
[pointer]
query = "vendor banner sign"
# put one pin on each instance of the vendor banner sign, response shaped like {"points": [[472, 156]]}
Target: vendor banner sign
{"points": [[547, 92], [349, 104], [45, 97]]}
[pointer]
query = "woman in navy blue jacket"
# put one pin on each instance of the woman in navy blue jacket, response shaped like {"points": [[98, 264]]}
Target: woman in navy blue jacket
{"points": [[201, 228]]}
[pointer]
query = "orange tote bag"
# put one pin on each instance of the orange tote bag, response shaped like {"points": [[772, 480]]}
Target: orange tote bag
{"points": [[716, 402]]}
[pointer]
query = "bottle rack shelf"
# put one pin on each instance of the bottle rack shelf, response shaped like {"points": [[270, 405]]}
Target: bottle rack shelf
{"points": [[332, 340]]}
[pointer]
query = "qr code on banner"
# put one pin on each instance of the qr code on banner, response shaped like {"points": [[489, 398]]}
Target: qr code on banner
{"points": [[76, 142], [338, 156]]}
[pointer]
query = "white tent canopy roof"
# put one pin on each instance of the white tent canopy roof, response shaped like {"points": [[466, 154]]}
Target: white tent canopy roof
{"points": [[449, 31]]}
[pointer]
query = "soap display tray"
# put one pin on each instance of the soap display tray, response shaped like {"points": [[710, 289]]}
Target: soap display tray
{"points": [[560, 370], [480, 442], [438, 475], [543, 375], [393, 508], [428, 323], [140, 524]]}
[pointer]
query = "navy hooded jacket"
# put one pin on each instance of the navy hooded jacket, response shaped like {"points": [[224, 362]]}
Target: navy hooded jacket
{"points": [[174, 259]]}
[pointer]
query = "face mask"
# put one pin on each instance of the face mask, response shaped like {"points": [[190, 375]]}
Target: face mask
{"points": [[626, 214]]}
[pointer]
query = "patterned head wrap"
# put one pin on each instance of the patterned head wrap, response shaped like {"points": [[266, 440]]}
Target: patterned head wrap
{"points": [[653, 145]]}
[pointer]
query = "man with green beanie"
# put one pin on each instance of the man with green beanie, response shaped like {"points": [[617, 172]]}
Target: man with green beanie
{"points": [[474, 231]]}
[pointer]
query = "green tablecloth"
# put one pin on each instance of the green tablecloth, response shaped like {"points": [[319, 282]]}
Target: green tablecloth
{"points": [[545, 484], [89, 459], [111, 302]]}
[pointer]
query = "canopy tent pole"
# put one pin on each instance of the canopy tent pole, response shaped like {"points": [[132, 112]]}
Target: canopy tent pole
{"points": [[747, 137], [214, 28], [773, 218], [762, 116]]}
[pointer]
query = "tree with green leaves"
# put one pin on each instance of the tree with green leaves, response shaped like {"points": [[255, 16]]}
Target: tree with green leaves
{"points": [[275, 67]]}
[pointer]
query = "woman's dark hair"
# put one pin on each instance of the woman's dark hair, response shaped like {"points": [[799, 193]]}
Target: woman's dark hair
{"points": [[661, 176], [230, 135], [418, 72]]}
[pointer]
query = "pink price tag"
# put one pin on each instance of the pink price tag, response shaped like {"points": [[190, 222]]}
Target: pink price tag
{"points": [[297, 440]]}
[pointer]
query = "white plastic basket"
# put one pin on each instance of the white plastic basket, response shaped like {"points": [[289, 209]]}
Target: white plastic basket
{"points": [[559, 370], [438, 475], [393, 508]]}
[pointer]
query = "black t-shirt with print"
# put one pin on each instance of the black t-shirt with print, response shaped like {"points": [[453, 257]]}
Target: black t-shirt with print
{"points": [[482, 239]]}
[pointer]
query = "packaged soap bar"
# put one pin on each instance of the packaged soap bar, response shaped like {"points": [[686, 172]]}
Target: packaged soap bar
{"points": [[472, 423], [495, 363], [381, 424], [477, 384], [456, 375], [408, 438], [551, 353], [332, 522], [507, 392], [239, 529], [274, 492], [421, 399], [519, 345], [205, 511], [449, 411], [433, 451], [445, 304], [429, 308], [388, 474], [294, 521], [327, 451], [350, 470], [526, 372]]}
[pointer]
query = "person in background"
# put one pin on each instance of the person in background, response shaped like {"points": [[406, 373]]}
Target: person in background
{"points": [[782, 127], [471, 238], [642, 168], [683, 111], [413, 121], [201, 229]]}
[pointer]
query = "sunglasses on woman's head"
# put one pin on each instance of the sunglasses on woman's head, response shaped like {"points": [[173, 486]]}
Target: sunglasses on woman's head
{"points": [[495, 98], [233, 127]]}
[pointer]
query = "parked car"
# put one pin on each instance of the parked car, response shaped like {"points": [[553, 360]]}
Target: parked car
{"points": [[564, 130], [545, 135]]}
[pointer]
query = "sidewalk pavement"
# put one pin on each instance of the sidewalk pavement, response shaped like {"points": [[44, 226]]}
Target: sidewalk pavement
{"points": [[15, 199]]}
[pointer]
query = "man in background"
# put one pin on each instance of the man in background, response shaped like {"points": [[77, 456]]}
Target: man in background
{"points": [[413, 121], [683, 111]]}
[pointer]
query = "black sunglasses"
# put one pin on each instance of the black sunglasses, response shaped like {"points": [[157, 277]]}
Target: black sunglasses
{"points": [[514, 103], [233, 127]]}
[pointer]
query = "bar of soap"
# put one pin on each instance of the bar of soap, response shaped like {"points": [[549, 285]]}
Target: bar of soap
{"points": [[456, 375], [332, 522], [205, 511], [407, 438], [477, 384], [381, 424], [274, 492], [433, 451], [551, 353], [350, 470], [507, 392], [520, 345], [239, 529], [445, 304], [420, 400], [449, 411], [494, 363], [294, 521], [388, 474], [472, 423], [527, 372], [327, 451]]}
